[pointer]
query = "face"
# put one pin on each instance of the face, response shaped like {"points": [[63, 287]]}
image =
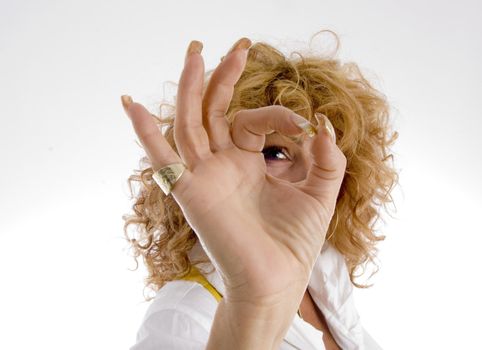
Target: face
{"points": [[287, 158]]}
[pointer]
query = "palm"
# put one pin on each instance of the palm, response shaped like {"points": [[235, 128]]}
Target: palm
{"points": [[248, 219]]}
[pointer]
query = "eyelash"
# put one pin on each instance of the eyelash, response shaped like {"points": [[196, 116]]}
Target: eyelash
{"points": [[277, 149]]}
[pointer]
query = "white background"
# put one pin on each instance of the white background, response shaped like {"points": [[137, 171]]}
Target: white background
{"points": [[67, 149]]}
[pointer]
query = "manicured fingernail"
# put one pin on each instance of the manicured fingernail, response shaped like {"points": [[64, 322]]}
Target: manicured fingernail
{"points": [[304, 124], [327, 126], [243, 43], [194, 47], [126, 101]]}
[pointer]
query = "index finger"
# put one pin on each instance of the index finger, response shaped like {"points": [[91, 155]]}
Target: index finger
{"points": [[251, 125]]}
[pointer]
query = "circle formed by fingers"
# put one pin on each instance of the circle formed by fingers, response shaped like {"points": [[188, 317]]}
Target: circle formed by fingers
{"points": [[251, 125]]}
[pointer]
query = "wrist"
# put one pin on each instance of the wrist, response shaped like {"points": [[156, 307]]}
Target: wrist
{"points": [[245, 325]]}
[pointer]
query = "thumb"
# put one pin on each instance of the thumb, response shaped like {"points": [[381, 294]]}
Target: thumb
{"points": [[326, 174]]}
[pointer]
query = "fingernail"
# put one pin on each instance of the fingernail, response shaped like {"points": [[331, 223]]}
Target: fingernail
{"points": [[194, 47], [126, 101], [243, 43], [304, 124], [327, 126]]}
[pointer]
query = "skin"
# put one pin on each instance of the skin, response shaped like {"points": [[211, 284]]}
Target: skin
{"points": [[262, 232], [290, 160]]}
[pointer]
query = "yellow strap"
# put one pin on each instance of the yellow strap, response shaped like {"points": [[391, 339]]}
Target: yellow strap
{"points": [[196, 276]]}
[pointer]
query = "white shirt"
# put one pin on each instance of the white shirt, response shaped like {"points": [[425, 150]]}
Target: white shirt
{"points": [[181, 314]]}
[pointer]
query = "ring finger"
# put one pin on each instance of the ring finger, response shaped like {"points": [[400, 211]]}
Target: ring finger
{"points": [[191, 139], [219, 93]]}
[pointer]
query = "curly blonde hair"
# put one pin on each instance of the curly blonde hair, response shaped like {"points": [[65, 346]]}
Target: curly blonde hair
{"points": [[307, 84]]}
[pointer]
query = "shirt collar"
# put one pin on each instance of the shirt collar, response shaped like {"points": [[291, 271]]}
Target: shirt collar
{"points": [[329, 286]]}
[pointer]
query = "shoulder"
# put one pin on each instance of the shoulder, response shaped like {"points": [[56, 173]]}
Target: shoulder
{"points": [[184, 296], [179, 317]]}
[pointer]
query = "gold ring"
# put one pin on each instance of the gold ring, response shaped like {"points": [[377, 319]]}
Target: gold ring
{"points": [[167, 176]]}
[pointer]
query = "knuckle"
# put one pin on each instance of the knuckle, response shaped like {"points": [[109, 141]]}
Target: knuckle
{"points": [[136, 108], [237, 114], [235, 120], [214, 112], [282, 110], [149, 134], [342, 158]]}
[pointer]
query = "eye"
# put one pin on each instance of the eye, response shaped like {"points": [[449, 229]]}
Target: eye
{"points": [[275, 153]]}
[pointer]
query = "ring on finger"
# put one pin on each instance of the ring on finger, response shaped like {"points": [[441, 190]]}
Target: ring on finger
{"points": [[167, 176]]}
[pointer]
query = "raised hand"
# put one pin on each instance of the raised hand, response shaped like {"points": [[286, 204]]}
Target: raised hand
{"points": [[262, 233]]}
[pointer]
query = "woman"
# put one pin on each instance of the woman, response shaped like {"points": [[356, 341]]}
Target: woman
{"points": [[270, 174]]}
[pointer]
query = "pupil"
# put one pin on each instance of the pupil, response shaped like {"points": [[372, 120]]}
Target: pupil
{"points": [[273, 153]]}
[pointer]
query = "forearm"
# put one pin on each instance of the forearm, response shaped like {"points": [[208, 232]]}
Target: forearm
{"points": [[248, 327]]}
